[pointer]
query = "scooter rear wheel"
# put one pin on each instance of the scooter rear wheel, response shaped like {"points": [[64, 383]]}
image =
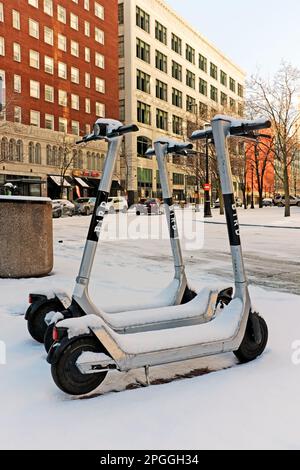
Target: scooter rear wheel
{"points": [[250, 349], [66, 374], [36, 318]]}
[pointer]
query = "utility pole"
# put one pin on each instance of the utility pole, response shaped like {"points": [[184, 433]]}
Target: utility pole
{"points": [[207, 204]]}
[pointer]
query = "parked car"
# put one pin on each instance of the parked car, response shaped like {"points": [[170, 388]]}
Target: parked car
{"points": [[117, 204], [68, 208], [280, 201], [85, 206], [149, 207], [57, 210], [238, 202], [268, 202]]}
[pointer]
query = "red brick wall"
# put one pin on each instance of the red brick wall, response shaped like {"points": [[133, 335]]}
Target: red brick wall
{"points": [[109, 50]]}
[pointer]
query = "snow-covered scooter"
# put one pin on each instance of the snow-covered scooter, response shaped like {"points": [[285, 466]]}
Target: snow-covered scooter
{"points": [[45, 309], [87, 348]]}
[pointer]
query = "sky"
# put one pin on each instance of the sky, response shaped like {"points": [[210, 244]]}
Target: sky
{"points": [[256, 34]]}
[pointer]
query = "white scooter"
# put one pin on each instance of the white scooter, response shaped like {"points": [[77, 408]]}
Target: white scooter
{"points": [[87, 348]]}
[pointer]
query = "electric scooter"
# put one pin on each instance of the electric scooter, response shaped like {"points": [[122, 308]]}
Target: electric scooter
{"points": [[86, 349], [46, 309]]}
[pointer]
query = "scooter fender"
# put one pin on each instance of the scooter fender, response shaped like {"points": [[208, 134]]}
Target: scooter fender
{"points": [[36, 299], [59, 347]]}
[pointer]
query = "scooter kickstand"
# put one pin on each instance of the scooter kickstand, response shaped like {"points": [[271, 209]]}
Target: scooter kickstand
{"points": [[148, 383]]}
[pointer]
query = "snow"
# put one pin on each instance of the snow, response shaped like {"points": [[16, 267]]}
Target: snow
{"points": [[25, 198], [253, 406]]}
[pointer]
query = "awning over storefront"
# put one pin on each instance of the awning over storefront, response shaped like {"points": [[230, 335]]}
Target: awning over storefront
{"points": [[81, 183], [57, 181]]}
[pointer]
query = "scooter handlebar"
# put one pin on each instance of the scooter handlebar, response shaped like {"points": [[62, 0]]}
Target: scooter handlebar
{"points": [[116, 133], [241, 128]]}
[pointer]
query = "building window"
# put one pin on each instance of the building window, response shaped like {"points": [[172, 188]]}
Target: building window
{"points": [[121, 13], [190, 54], [190, 79], [75, 128], [99, 60], [121, 78], [63, 125], [121, 47], [34, 3], [142, 19], [34, 59], [1, 13], [16, 20], [232, 85], [75, 75], [87, 80], [122, 110], [34, 89], [17, 84], [38, 154], [232, 104], [203, 110], [161, 61], [17, 114], [99, 35], [86, 5], [143, 143], [224, 100], [203, 87], [61, 14], [143, 50], [16, 51], [62, 70], [177, 125], [240, 90], [178, 179], [20, 151], [213, 71], [87, 29], [48, 36], [75, 102], [145, 178], [241, 109], [191, 104], [34, 118], [34, 28], [99, 11], [87, 55], [62, 98], [143, 113], [100, 109], [176, 98], [49, 122], [160, 32], [2, 47], [31, 152], [74, 21], [62, 42], [161, 120], [75, 48], [48, 7], [202, 63], [49, 65], [177, 71], [161, 90], [176, 44], [88, 106], [223, 78], [214, 93], [143, 81]]}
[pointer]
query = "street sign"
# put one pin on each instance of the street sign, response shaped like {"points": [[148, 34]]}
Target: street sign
{"points": [[207, 187]]}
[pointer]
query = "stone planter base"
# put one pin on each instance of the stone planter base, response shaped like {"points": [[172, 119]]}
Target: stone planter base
{"points": [[26, 237]]}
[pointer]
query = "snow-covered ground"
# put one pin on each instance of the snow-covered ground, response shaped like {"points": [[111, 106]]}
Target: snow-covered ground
{"points": [[251, 406]]}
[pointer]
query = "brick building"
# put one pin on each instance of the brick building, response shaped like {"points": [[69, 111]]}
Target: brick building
{"points": [[59, 68]]}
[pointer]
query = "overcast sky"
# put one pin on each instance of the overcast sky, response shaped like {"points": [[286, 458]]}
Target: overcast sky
{"points": [[255, 34]]}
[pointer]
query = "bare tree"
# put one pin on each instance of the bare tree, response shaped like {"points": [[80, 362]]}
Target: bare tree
{"points": [[66, 157], [277, 100], [7, 122]]}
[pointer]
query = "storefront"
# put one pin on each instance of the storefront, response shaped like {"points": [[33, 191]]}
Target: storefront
{"points": [[21, 185], [57, 190]]}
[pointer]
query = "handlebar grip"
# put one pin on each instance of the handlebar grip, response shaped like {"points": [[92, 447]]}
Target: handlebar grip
{"points": [[249, 126], [202, 135], [127, 129], [150, 152]]}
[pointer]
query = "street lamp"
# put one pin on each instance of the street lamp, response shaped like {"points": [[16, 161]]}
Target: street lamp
{"points": [[207, 204]]}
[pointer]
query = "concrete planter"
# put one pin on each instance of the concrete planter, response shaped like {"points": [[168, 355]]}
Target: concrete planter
{"points": [[26, 237]]}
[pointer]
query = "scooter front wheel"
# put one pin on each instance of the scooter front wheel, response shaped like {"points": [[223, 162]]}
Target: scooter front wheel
{"points": [[250, 349], [66, 374], [36, 318]]}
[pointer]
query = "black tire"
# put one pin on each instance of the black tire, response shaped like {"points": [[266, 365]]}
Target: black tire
{"points": [[298, 204], [87, 211], [249, 349], [48, 338], [36, 318], [138, 213], [67, 376]]}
